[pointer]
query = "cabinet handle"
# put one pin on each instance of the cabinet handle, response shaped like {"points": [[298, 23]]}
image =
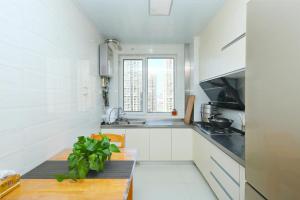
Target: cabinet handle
{"points": [[221, 186], [233, 41], [224, 170]]}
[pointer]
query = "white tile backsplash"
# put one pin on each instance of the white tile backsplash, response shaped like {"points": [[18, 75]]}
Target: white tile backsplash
{"points": [[49, 82]]}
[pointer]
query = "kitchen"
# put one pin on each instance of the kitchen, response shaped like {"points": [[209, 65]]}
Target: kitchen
{"points": [[190, 97]]}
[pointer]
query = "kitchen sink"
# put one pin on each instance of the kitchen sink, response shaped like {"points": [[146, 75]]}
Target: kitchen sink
{"points": [[131, 122], [136, 122]]}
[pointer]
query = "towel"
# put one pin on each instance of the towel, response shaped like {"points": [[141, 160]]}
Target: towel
{"points": [[6, 173]]}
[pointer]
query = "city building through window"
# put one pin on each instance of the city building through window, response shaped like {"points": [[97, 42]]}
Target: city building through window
{"points": [[133, 85], [148, 85]]}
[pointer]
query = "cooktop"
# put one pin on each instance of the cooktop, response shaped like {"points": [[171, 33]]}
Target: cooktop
{"points": [[211, 130]]}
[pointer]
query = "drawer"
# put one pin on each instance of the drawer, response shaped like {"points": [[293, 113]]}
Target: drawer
{"points": [[231, 167], [230, 186], [218, 188]]}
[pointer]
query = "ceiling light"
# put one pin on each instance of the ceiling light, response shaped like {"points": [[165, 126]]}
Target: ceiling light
{"points": [[160, 7]]}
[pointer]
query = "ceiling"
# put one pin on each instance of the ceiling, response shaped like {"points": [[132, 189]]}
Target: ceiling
{"points": [[129, 20]]}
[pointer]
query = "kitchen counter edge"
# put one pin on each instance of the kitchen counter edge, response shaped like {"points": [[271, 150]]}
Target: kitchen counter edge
{"points": [[235, 157]]}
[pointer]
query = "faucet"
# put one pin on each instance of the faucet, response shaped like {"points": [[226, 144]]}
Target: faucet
{"points": [[120, 113]]}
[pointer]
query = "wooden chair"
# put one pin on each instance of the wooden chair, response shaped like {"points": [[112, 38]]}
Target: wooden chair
{"points": [[115, 138]]}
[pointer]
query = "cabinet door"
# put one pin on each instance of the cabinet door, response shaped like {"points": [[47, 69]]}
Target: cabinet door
{"points": [[201, 154], [242, 182], [196, 149], [138, 139], [227, 25], [160, 144], [182, 144]]}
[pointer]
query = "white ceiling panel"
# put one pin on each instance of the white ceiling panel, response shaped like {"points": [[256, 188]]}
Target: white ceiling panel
{"points": [[160, 7], [130, 22]]}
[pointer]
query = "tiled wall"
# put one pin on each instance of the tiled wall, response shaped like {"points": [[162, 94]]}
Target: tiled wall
{"points": [[49, 83]]}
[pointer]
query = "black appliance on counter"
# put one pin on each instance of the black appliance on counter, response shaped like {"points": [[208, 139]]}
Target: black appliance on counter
{"points": [[225, 92]]}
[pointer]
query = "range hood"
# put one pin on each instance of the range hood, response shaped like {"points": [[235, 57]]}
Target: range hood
{"points": [[225, 92]]}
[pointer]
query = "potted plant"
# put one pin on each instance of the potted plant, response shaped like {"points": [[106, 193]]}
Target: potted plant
{"points": [[88, 154]]}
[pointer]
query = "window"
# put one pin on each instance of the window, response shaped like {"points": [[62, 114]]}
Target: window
{"points": [[148, 85], [133, 85], [160, 84]]}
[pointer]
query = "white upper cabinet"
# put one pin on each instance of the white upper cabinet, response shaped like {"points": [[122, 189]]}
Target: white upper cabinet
{"points": [[222, 44]]}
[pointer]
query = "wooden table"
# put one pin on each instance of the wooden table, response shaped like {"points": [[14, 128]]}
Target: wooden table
{"points": [[85, 189]]}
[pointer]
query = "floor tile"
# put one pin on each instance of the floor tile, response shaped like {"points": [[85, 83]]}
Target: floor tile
{"points": [[158, 181]]}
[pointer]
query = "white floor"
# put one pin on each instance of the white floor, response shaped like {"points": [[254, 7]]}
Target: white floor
{"points": [[160, 181]]}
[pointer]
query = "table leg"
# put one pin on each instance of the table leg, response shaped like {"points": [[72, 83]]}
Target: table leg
{"points": [[130, 193]]}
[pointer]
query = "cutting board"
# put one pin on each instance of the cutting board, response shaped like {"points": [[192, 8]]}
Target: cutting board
{"points": [[189, 109]]}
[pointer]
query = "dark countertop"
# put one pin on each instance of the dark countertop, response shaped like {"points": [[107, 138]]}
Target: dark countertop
{"points": [[233, 145]]}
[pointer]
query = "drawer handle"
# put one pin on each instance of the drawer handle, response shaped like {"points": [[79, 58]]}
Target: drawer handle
{"points": [[233, 41], [224, 170], [221, 186]]}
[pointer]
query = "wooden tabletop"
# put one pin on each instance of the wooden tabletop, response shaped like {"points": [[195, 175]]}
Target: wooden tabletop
{"points": [[86, 189]]}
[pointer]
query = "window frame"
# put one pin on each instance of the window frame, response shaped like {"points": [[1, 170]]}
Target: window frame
{"points": [[145, 58]]}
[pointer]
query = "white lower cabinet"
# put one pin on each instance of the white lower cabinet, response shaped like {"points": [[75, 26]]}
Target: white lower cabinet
{"points": [[163, 144], [160, 144], [113, 130], [138, 139], [182, 144], [200, 154], [224, 180], [242, 182], [222, 173]]}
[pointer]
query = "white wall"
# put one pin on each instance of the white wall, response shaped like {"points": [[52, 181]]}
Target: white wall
{"points": [[155, 49], [49, 83]]}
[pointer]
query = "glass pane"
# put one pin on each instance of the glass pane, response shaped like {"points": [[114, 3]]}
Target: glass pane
{"points": [[133, 85], [160, 84]]}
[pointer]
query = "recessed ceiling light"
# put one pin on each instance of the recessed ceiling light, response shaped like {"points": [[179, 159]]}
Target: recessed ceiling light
{"points": [[160, 7]]}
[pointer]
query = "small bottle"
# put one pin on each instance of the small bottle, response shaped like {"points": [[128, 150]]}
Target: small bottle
{"points": [[174, 112]]}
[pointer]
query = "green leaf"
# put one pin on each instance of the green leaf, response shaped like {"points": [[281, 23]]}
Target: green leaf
{"points": [[83, 168], [101, 166], [73, 174], [73, 160], [91, 146], [106, 152], [114, 148], [94, 162], [105, 142], [81, 139], [61, 177]]}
